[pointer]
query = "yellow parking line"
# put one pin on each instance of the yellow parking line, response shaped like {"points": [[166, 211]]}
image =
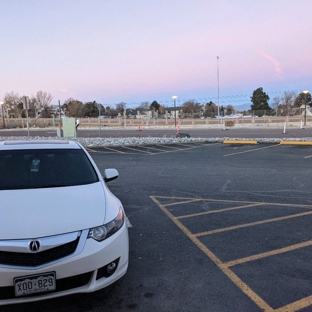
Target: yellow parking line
{"points": [[228, 272], [218, 211], [90, 150], [113, 150], [235, 227], [137, 150], [235, 201], [268, 254], [172, 147], [255, 149], [154, 148], [182, 149], [297, 305], [240, 142]]}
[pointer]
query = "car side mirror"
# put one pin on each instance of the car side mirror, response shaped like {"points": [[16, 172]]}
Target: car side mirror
{"points": [[110, 174]]}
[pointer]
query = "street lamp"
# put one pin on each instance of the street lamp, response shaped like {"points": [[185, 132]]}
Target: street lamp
{"points": [[3, 120], [175, 112], [218, 89], [305, 92]]}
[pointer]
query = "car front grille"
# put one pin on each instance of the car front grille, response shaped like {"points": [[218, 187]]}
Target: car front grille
{"points": [[39, 258]]}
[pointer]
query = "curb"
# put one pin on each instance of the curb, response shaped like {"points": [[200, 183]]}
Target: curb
{"points": [[240, 142], [295, 143]]}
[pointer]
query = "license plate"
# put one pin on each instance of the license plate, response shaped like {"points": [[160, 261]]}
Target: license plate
{"points": [[27, 285]]}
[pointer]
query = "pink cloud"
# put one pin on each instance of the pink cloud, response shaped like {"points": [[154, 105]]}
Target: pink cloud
{"points": [[276, 63]]}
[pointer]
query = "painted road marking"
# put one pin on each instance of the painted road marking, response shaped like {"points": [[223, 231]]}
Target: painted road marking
{"points": [[252, 150], [137, 150], [268, 254], [235, 227], [230, 274], [225, 266]]}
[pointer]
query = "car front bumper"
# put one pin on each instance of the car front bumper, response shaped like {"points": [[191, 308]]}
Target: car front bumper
{"points": [[82, 273]]}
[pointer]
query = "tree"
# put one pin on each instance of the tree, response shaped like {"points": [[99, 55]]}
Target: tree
{"points": [[101, 109], [162, 110], [91, 109], [12, 104], [301, 98], [211, 110], [110, 112], [120, 108], [230, 110], [285, 103], [41, 102], [73, 108], [155, 106], [260, 101], [144, 106], [192, 108]]}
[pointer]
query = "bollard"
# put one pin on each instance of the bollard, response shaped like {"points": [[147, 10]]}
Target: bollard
{"points": [[178, 131], [139, 126], [284, 127], [300, 123]]}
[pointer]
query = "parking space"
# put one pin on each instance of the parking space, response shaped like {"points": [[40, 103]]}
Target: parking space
{"points": [[237, 236], [147, 149]]}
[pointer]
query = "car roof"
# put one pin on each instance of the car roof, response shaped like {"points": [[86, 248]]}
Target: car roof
{"points": [[38, 144]]}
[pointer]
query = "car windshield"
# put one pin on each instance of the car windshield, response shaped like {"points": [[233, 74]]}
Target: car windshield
{"points": [[25, 169]]}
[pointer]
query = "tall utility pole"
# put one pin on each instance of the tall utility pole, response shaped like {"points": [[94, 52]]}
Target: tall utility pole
{"points": [[3, 119], [305, 92], [175, 110], [218, 87]]}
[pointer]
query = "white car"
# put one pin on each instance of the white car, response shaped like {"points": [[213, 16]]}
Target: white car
{"points": [[61, 229]]}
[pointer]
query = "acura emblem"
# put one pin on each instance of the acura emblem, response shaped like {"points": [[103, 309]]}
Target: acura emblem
{"points": [[34, 246]]}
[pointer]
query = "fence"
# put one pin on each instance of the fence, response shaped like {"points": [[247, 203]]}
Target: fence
{"points": [[11, 123]]}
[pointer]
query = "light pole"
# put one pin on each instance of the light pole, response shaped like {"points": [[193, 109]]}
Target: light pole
{"points": [[3, 120], [218, 88], [175, 112], [305, 92]]}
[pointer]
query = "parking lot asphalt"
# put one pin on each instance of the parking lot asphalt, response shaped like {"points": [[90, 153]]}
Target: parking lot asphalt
{"points": [[214, 227]]}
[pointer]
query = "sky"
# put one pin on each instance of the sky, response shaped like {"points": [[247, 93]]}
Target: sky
{"points": [[132, 51]]}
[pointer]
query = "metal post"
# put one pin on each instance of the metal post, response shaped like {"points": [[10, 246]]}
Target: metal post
{"points": [[27, 119], [218, 89], [175, 111], [59, 102], [98, 106], [4, 127], [305, 106], [3, 120]]}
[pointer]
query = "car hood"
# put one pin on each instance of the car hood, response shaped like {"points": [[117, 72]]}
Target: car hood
{"points": [[35, 213]]}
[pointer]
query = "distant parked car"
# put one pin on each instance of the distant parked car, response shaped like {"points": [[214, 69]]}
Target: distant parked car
{"points": [[61, 230]]}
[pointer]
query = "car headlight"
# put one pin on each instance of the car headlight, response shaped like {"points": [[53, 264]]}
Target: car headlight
{"points": [[104, 231]]}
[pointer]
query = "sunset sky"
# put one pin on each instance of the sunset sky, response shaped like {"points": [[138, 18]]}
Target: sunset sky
{"points": [[133, 51]]}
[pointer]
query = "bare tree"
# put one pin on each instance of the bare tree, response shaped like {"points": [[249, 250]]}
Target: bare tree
{"points": [[192, 108], [285, 103], [41, 101], [144, 105], [277, 101], [13, 104], [121, 107]]}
